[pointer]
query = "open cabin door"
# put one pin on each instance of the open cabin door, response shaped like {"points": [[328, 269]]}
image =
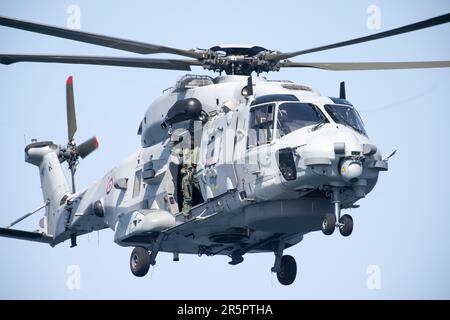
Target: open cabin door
{"points": [[218, 144]]}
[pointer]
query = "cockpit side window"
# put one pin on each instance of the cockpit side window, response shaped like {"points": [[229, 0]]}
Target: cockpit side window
{"points": [[261, 125]]}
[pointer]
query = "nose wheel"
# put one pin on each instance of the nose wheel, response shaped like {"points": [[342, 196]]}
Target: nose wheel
{"points": [[346, 225], [331, 221], [328, 224]]}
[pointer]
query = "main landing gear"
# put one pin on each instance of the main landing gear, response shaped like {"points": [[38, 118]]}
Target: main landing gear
{"points": [[331, 221], [284, 266], [139, 261]]}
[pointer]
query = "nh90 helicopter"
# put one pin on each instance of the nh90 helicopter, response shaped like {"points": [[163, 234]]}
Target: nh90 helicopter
{"points": [[277, 160]]}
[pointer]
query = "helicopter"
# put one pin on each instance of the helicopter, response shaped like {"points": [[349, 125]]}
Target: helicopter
{"points": [[276, 159]]}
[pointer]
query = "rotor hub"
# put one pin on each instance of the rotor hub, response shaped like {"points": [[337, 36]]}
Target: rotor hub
{"points": [[241, 60]]}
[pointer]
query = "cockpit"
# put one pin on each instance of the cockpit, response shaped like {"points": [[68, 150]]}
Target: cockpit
{"points": [[294, 116], [277, 119], [346, 115]]}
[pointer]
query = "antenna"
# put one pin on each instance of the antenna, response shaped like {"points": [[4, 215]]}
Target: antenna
{"points": [[249, 86], [342, 91]]}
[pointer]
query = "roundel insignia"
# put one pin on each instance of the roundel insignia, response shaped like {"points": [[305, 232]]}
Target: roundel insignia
{"points": [[109, 185]]}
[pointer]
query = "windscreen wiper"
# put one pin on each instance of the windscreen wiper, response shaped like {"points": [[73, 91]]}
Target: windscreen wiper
{"points": [[319, 124]]}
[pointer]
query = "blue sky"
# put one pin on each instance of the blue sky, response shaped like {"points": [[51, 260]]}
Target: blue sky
{"points": [[401, 227]]}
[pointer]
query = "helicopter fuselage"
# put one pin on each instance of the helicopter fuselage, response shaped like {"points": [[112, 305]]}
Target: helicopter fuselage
{"points": [[274, 160], [253, 190]]}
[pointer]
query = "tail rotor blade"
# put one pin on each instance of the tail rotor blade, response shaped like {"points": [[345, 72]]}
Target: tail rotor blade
{"points": [[71, 118], [72, 173], [87, 147]]}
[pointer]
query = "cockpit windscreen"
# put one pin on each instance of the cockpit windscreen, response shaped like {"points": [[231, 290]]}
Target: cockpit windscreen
{"points": [[346, 115], [296, 115]]}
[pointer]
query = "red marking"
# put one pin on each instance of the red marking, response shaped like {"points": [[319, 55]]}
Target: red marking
{"points": [[109, 185], [96, 143], [69, 80]]}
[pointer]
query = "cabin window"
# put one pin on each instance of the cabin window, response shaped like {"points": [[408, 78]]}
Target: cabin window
{"points": [[210, 150], [137, 183], [260, 125], [213, 148]]}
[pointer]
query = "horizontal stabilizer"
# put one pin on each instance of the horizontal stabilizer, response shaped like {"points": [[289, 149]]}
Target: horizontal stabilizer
{"points": [[25, 235]]}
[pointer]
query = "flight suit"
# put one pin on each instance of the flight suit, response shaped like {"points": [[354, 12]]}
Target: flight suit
{"points": [[188, 152], [189, 181]]}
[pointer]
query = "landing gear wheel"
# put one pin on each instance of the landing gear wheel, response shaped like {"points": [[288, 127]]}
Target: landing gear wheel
{"points": [[346, 225], [288, 270], [328, 224], [139, 262]]}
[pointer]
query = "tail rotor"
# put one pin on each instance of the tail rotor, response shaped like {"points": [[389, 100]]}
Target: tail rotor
{"points": [[72, 152]]}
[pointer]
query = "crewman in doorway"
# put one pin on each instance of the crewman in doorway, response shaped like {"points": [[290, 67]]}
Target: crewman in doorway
{"points": [[188, 151]]}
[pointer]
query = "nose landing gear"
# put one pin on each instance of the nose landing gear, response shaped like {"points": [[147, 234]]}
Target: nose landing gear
{"points": [[331, 221], [328, 224], [346, 225]]}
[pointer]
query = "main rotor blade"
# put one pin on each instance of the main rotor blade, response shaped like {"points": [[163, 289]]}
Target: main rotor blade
{"points": [[96, 39], [168, 64], [393, 32], [344, 66], [70, 105]]}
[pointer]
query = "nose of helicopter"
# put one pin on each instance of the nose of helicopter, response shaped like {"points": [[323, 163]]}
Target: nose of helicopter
{"points": [[334, 155]]}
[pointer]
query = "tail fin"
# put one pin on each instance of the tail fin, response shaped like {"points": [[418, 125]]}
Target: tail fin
{"points": [[55, 188]]}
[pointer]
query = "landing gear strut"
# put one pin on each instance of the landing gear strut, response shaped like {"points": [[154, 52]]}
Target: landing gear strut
{"points": [[331, 221], [285, 266]]}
